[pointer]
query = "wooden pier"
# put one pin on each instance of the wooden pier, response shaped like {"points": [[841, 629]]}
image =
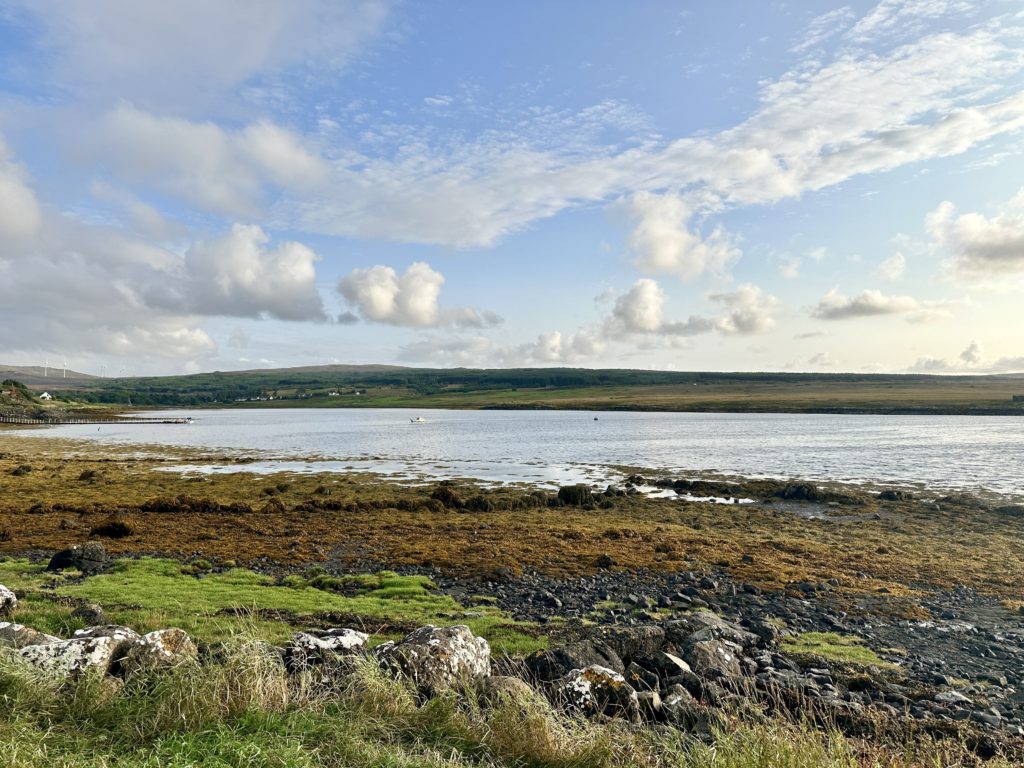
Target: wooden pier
{"points": [[119, 420]]}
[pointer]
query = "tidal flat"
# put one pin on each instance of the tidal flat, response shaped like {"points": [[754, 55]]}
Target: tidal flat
{"points": [[901, 604]]}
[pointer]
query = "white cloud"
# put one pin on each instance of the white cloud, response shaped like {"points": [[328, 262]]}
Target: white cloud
{"points": [[892, 268], [823, 27], [870, 303], [789, 268], [20, 215], [749, 310], [971, 360], [981, 247], [221, 171], [663, 242], [903, 17], [191, 53], [381, 295], [640, 310], [239, 275]]}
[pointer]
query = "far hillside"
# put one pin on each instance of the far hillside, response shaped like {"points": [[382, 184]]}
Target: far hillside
{"points": [[342, 386]]}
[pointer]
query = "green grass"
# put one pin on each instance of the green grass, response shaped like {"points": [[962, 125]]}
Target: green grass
{"points": [[151, 593], [834, 647]]}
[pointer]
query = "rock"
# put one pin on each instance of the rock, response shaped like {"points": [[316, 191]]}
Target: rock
{"points": [[447, 496], [952, 697], [502, 688], [605, 561], [576, 495], [72, 658], [597, 690], [122, 638], [641, 679], [19, 636], [895, 495], [8, 601], [802, 492], [162, 648], [650, 705], [704, 625], [681, 710], [90, 557], [631, 642], [438, 658], [318, 647], [715, 658], [91, 615], [665, 665], [554, 663]]}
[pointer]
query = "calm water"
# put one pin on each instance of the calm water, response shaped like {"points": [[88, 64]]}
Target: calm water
{"points": [[557, 446]]}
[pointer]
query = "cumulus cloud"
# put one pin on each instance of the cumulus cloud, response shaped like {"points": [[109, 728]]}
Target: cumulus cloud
{"points": [[549, 348], [749, 310], [239, 275], [20, 215], [981, 247], [892, 268], [971, 360], [640, 309], [379, 294], [663, 241]]}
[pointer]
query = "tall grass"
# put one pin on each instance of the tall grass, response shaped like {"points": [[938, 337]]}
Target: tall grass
{"points": [[239, 707]]}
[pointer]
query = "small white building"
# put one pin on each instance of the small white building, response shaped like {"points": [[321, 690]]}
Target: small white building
{"points": [[46, 396]]}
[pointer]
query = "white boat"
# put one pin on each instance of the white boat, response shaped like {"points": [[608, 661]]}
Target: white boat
{"points": [[418, 420]]}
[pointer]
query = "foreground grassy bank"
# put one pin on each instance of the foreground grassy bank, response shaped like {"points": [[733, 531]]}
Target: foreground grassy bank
{"points": [[244, 710]]}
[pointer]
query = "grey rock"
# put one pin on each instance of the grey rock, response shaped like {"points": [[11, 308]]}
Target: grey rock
{"points": [[439, 658], [323, 646], [162, 648], [597, 690], [8, 601], [19, 636]]}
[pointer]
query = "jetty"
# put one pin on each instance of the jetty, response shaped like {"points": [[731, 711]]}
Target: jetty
{"points": [[115, 420]]}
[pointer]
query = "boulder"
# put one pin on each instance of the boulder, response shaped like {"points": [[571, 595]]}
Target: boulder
{"points": [[681, 710], [121, 637], [321, 646], [162, 648], [438, 658], [554, 663], [72, 658], [91, 615], [19, 636], [90, 557], [705, 625], [8, 601], [576, 495], [715, 658], [631, 642], [512, 690], [665, 665], [597, 690]]}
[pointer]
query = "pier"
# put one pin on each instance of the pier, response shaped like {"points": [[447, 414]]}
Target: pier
{"points": [[116, 420]]}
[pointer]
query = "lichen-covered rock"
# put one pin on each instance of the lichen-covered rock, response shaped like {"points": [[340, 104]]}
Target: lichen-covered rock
{"points": [[71, 658], [122, 637], [19, 636], [597, 690], [438, 658], [8, 601], [162, 648], [715, 658], [680, 709], [320, 646], [632, 642]]}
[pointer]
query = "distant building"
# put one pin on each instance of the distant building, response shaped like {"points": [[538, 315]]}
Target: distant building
{"points": [[46, 396]]}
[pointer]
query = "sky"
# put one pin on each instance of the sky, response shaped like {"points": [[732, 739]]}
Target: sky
{"points": [[802, 186]]}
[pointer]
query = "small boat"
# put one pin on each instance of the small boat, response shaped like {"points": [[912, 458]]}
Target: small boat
{"points": [[418, 420]]}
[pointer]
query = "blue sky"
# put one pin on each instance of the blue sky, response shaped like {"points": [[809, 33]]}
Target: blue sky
{"points": [[703, 186]]}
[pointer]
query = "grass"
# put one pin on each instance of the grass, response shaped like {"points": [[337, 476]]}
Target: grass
{"points": [[242, 709], [152, 593], [834, 647]]}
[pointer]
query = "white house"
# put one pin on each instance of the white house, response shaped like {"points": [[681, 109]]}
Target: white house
{"points": [[46, 396]]}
